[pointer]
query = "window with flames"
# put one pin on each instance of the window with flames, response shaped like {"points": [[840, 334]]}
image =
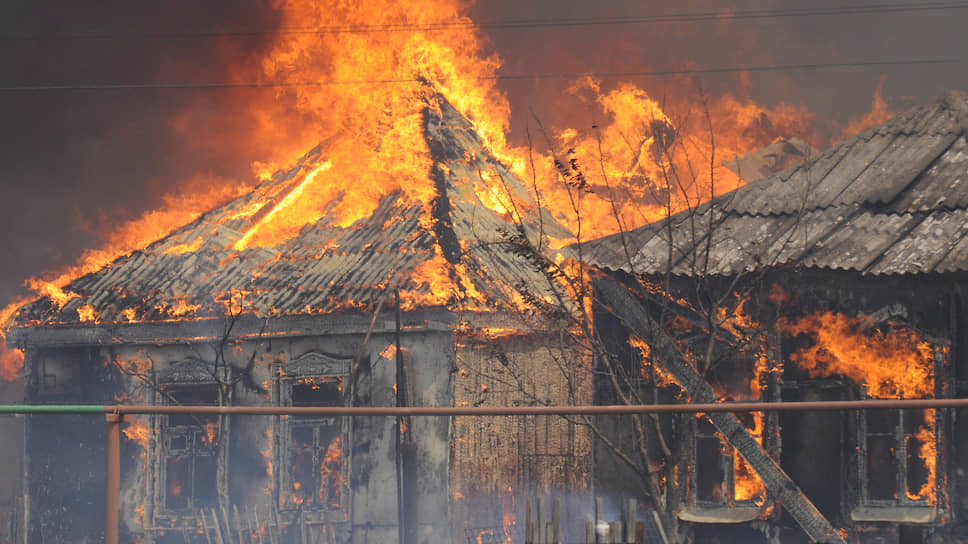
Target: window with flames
{"points": [[311, 448], [190, 452], [897, 457], [721, 476]]}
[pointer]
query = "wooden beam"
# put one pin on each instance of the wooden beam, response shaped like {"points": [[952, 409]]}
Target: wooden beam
{"points": [[636, 318]]}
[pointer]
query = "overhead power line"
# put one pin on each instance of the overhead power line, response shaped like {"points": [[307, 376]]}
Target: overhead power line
{"points": [[507, 77], [723, 15]]}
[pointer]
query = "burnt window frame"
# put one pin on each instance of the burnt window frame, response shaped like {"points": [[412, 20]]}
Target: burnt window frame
{"points": [[701, 429], [865, 508], [731, 359], [898, 436], [191, 430], [310, 366]]}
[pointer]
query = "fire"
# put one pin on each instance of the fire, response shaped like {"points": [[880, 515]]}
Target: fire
{"points": [[330, 473], [361, 96], [894, 363], [272, 231], [87, 313], [267, 455], [928, 453], [747, 484], [211, 429], [509, 518], [136, 430], [879, 113], [179, 307]]}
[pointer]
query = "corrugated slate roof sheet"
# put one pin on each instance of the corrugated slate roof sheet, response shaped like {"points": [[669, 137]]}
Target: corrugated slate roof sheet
{"points": [[891, 200], [324, 268]]}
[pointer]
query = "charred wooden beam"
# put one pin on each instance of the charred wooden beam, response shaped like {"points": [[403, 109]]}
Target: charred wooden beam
{"points": [[637, 319]]}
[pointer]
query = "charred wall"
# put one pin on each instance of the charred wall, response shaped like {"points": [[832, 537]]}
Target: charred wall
{"points": [[64, 481], [246, 472]]}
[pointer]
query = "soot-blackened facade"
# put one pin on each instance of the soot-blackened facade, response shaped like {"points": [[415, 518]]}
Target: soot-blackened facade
{"points": [[335, 315]]}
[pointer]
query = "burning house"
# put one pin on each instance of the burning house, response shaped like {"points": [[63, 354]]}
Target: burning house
{"points": [[842, 277], [299, 294]]}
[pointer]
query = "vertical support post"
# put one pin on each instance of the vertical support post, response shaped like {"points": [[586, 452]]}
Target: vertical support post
{"points": [[529, 524], [599, 522], [631, 509], [556, 521], [112, 477]]}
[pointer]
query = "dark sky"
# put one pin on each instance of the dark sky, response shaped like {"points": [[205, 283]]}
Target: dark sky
{"points": [[76, 161]]}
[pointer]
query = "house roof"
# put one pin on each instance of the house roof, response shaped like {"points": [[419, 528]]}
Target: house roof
{"points": [[324, 268], [891, 200]]}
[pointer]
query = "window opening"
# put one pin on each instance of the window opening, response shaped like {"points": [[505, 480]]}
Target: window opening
{"points": [[898, 457], [314, 453], [190, 450]]}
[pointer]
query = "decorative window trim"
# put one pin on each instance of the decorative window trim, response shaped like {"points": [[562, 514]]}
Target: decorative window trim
{"points": [[157, 513], [284, 376]]}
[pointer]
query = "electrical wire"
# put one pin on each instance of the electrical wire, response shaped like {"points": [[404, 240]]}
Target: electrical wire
{"points": [[506, 77], [725, 15]]}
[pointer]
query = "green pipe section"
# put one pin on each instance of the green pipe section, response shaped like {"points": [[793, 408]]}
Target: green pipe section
{"points": [[52, 409]]}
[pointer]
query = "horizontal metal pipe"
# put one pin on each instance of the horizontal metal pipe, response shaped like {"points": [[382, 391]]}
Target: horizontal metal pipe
{"points": [[52, 409], [492, 411]]}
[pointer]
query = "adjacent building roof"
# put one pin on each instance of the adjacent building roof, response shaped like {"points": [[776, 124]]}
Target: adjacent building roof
{"points": [[325, 267], [891, 200]]}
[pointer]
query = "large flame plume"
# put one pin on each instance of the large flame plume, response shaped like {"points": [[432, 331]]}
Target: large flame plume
{"points": [[359, 94]]}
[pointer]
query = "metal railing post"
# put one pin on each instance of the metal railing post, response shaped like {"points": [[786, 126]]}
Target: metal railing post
{"points": [[112, 477]]}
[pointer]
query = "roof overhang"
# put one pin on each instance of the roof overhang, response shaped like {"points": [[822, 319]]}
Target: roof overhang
{"points": [[251, 328]]}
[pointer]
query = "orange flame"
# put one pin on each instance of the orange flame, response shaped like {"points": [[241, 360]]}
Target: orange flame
{"points": [[136, 430], [747, 484], [880, 112], [928, 454], [890, 364], [896, 363], [330, 473], [366, 105], [509, 517]]}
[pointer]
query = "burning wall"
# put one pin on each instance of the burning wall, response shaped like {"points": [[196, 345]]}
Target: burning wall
{"points": [[826, 336]]}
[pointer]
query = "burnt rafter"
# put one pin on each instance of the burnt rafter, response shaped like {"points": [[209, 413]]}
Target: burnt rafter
{"points": [[778, 484]]}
